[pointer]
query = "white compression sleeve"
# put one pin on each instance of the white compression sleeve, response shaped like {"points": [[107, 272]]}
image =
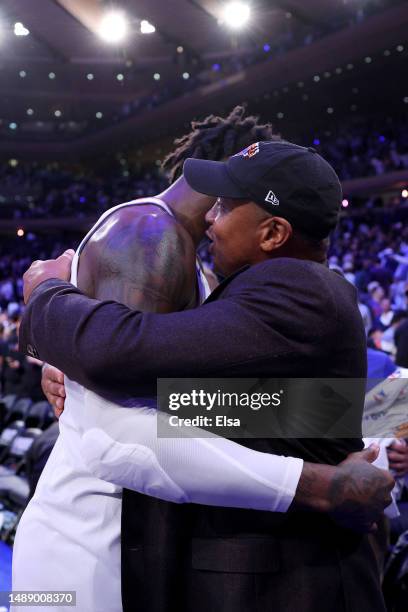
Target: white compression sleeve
{"points": [[121, 445]]}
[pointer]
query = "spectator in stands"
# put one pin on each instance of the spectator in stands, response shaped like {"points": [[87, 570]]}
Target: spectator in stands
{"points": [[387, 314], [366, 316], [388, 337], [376, 294]]}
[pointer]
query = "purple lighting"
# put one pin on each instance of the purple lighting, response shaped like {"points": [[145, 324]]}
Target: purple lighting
{"points": [[216, 67], [266, 48], [316, 141], [381, 138]]}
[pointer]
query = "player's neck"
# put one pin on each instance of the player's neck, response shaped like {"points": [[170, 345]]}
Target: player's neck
{"points": [[189, 207]]}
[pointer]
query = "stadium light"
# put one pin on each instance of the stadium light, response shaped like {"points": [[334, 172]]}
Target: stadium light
{"points": [[20, 29], [113, 27], [345, 203], [404, 193], [146, 27], [236, 15]]}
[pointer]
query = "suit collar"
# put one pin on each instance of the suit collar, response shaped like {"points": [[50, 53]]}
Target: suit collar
{"points": [[218, 290]]}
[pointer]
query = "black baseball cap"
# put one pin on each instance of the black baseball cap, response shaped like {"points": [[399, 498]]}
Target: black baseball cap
{"points": [[288, 180]]}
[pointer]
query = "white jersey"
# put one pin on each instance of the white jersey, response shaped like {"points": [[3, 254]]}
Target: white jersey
{"points": [[68, 538]]}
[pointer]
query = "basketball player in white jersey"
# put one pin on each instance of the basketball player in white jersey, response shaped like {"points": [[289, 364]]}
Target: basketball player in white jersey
{"points": [[69, 537]]}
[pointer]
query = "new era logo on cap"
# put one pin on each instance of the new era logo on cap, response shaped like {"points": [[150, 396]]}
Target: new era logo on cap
{"points": [[271, 198]]}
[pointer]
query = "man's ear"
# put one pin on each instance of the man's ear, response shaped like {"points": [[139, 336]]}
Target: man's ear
{"points": [[274, 233]]}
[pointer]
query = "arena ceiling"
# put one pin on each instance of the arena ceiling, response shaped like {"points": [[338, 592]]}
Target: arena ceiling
{"points": [[62, 84]]}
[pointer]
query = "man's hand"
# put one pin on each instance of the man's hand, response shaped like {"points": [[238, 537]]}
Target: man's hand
{"points": [[40, 271], [360, 492], [52, 383], [398, 457], [354, 493]]}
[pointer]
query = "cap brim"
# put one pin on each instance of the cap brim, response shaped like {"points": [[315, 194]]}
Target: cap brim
{"points": [[211, 178]]}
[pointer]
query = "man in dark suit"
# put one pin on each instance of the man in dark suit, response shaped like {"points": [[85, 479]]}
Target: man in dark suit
{"points": [[284, 315]]}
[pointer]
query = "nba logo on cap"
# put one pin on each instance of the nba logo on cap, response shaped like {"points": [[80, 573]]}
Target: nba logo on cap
{"points": [[272, 199], [250, 151]]}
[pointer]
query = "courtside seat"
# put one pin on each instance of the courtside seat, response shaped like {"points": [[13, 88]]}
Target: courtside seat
{"points": [[6, 404], [7, 436], [38, 415], [14, 488], [17, 450], [8, 401], [19, 410]]}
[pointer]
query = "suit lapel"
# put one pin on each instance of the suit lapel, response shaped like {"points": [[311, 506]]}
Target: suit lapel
{"points": [[218, 290]]}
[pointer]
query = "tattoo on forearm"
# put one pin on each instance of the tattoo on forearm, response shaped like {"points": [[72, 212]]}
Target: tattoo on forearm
{"points": [[355, 492]]}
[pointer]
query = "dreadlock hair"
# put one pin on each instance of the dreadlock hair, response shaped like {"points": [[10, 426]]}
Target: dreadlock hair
{"points": [[216, 138]]}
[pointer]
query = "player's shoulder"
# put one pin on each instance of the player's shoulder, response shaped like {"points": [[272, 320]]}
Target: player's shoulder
{"points": [[136, 222], [136, 210]]}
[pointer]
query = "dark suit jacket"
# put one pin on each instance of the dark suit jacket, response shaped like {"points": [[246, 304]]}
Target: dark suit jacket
{"points": [[280, 318]]}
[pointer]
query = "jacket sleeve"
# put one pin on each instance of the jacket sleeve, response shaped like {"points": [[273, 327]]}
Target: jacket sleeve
{"points": [[106, 346]]}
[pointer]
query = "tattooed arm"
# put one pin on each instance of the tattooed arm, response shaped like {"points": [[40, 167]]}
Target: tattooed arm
{"points": [[354, 493]]}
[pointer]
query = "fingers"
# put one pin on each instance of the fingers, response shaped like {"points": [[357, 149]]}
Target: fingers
{"points": [[58, 405], [58, 412], [58, 376], [52, 383], [395, 456], [369, 454], [67, 255], [398, 457], [389, 481], [53, 374], [40, 271], [399, 467], [55, 393], [398, 446], [56, 389]]}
